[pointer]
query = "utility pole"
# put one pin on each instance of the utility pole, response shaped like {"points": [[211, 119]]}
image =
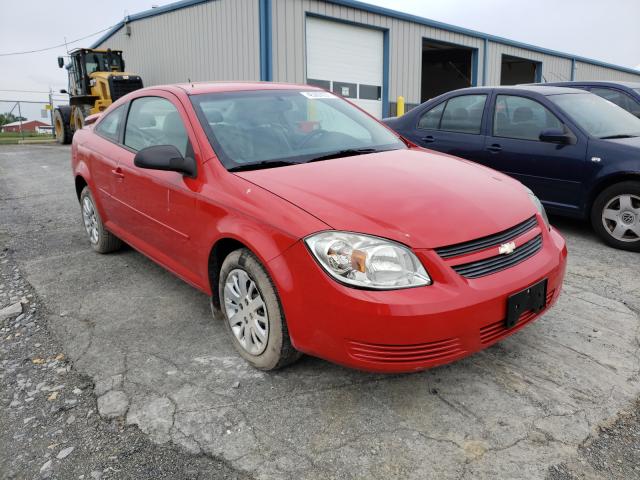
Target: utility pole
{"points": [[20, 119], [51, 110]]}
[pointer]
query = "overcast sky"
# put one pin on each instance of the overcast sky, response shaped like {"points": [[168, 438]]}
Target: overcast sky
{"points": [[603, 30]]}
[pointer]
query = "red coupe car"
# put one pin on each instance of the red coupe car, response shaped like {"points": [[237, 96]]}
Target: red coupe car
{"points": [[313, 227]]}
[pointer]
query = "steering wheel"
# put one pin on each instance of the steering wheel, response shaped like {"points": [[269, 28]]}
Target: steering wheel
{"points": [[312, 136]]}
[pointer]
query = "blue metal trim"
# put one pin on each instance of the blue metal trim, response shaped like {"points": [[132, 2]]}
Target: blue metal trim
{"points": [[266, 57], [485, 61], [385, 74], [573, 69], [393, 14], [474, 67], [538, 72]]}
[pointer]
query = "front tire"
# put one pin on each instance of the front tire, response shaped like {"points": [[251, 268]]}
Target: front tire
{"points": [[252, 312], [61, 125], [615, 215], [101, 239]]}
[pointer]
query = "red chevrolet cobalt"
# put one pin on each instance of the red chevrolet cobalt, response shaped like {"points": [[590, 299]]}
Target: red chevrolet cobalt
{"points": [[314, 228]]}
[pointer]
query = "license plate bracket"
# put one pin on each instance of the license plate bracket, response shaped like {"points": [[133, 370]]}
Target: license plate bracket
{"points": [[533, 298]]}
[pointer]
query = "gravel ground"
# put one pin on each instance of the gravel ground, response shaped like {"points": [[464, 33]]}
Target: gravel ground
{"points": [[613, 454], [49, 427]]}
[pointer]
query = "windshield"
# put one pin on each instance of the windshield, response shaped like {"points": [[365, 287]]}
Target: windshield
{"points": [[102, 62], [279, 127], [598, 116]]}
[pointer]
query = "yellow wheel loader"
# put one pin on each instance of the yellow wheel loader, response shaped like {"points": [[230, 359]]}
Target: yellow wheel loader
{"points": [[96, 79]]}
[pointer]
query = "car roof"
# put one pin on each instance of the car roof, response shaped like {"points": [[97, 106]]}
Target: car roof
{"points": [[598, 82], [542, 90], [196, 88]]}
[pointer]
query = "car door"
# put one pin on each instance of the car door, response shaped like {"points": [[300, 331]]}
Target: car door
{"points": [[160, 207], [103, 155], [453, 126], [513, 146]]}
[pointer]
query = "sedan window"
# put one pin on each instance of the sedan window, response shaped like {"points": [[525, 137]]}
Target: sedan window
{"points": [[522, 118], [155, 121], [619, 98], [110, 125], [461, 114]]}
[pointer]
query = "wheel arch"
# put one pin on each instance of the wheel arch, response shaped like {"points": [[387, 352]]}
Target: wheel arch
{"points": [[219, 251], [607, 182], [80, 183]]}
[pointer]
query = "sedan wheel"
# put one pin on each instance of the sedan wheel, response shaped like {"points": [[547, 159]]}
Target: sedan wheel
{"points": [[253, 313], [101, 239], [616, 215]]}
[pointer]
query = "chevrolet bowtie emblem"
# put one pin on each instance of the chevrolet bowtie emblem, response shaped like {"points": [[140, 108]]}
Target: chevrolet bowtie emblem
{"points": [[506, 248]]}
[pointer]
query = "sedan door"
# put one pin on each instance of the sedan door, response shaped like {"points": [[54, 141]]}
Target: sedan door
{"points": [[160, 207], [454, 126], [553, 171]]}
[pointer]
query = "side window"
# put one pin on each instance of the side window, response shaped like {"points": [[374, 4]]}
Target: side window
{"points": [[619, 98], [463, 114], [155, 121], [458, 114], [431, 119], [522, 118], [110, 125]]}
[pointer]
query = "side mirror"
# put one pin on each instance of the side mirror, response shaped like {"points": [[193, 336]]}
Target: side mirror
{"points": [[60, 62], [557, 135], [167, 158], [63, 91]]}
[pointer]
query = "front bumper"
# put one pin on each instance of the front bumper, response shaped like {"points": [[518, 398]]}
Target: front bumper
{"points": [[409, 329]]}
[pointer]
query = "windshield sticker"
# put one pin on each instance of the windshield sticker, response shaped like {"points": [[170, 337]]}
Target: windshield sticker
{"points": [[316, 94]]}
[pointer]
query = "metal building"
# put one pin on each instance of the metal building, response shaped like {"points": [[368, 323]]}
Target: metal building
{"points": [[367, 53]]}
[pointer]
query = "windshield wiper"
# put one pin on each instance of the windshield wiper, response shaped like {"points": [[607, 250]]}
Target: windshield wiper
{"points": [[261, 164], [349, 152], [622, 135]]}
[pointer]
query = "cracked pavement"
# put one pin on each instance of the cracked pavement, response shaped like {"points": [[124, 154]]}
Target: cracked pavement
{"points": [[157, 358]]}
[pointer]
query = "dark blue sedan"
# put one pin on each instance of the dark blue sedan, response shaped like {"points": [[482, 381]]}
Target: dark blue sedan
{"points": [[579, 153]]}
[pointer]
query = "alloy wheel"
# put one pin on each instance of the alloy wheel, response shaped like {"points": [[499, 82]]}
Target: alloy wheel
{"points": [[621, 217], [246, 312], [90, 220]]}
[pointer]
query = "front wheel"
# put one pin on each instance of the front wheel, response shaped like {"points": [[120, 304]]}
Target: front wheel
{"points": [[101, 239], [252, 312], [615, 215]]}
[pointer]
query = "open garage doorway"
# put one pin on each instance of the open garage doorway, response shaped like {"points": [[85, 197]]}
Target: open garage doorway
{"points": [[515, 70], [445, 67]]}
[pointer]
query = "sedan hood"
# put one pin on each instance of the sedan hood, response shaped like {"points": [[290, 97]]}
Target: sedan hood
{"points": [[422, 199]]}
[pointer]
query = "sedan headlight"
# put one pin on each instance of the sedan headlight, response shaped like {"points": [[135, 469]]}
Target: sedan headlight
{"points": [[536, 201], [367, 261]]}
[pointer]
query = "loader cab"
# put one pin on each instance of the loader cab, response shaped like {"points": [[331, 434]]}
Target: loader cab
{"points": [[84, 62]]}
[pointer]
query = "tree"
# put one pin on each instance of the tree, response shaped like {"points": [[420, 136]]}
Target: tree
{"points": [[10, 118]]}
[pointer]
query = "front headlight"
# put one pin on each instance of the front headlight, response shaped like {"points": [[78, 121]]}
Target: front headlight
{"points": [[367, 261], [536, 201]]}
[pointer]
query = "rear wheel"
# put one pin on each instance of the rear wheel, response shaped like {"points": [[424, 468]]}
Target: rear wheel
{"points": [[101, 239], [61, 125], [252, 312], [615, 215]]}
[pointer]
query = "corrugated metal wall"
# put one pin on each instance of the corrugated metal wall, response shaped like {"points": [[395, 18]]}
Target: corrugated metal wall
{"points": [[554, 69], [405, 43], [587, 71], [217, 40]]}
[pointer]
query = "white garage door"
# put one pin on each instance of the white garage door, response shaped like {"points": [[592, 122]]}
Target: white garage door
{"points": [[347, 60]]}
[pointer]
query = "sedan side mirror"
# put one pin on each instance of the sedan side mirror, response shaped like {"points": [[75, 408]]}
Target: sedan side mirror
{"points": [[557, 135], [167, 158]]}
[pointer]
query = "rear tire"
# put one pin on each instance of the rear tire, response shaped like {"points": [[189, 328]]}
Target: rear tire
{"points": [[101, 239], [247, 295], [615, 215], [62, 125]]}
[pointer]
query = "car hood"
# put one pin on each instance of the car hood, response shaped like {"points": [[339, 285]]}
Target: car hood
{"points": [[422, 199]]}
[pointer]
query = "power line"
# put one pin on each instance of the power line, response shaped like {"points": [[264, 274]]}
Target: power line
{"points": [[55, 46]]}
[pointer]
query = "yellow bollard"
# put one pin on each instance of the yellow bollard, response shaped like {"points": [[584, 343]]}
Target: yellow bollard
{"points": [[400, 106]]}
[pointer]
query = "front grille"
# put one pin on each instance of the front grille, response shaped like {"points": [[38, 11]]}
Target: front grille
{"points": [[491, 265], [433, 351], [488, 241], [120, 86], [495, 331]]}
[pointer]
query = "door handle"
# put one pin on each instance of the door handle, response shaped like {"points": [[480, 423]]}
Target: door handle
{"points": [[495, 148], [428, 139], [118, 172]]}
